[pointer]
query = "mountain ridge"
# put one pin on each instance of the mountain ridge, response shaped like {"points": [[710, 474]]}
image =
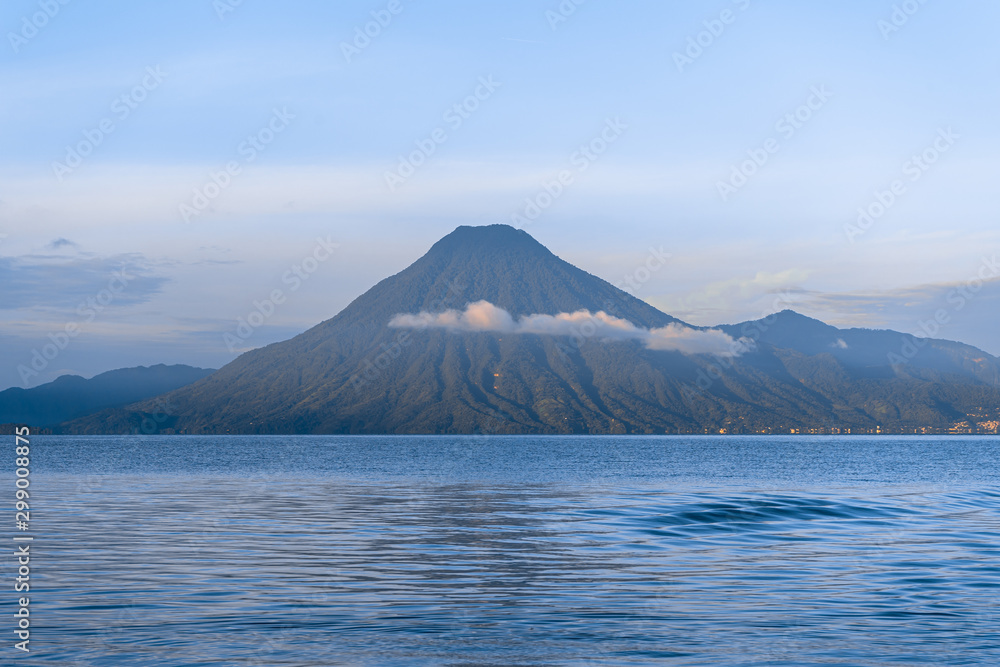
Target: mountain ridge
{"points": [[354, 374], [72, 396]]}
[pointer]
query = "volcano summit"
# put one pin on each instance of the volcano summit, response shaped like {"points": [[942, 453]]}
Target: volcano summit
{"points": [[489, 332]]}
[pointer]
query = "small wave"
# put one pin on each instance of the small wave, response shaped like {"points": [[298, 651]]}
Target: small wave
{"points": [[758, 513]]}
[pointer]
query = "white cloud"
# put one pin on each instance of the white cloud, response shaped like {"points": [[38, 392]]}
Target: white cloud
{"points": [[484, 316], [479, 316]]}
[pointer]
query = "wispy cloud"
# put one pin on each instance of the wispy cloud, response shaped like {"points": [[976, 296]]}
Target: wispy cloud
{"points": [[484, 316], [888, 307], [55, 282]]}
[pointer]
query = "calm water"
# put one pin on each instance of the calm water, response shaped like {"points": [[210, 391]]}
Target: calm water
{"points": [[512, 551]]}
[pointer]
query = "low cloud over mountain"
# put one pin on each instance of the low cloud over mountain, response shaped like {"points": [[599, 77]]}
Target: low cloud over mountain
{"points": [[579, 325]]}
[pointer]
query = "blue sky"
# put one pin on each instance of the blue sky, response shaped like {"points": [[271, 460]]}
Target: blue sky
{"points": [[308, 135]]}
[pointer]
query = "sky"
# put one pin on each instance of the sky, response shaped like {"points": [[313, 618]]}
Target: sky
{"points": [[166, 168]]}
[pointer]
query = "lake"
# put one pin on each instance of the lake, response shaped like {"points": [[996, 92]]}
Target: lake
{"points": [[466, 551]]}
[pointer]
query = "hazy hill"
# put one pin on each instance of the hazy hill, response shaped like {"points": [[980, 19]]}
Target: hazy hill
{"points": [[71, 396], [355, 374], [873, 353]]}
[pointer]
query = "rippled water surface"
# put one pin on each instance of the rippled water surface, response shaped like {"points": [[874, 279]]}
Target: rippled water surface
{"points": [[513, 551]]}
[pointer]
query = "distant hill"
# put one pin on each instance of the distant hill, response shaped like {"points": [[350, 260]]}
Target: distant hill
{"points": [[874, 353], [356, 374], [71, 396]]}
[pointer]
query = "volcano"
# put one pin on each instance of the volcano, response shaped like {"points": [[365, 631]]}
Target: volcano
{"points": [[354, 373]]}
